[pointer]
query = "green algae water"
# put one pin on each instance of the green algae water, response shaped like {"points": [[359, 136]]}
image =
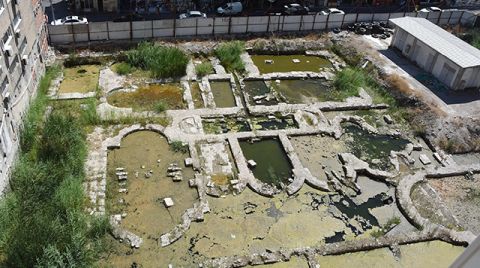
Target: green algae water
{"points": [[273, 165], [284, 63], [222, 94]]}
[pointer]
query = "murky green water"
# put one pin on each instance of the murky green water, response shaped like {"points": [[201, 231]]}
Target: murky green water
{"points": [[305, 90], [225, 125], [434, 254], [284, 63], [273, 165], [222, 94], [146, 214], [273, 122], [259, 88], [372, 148]]}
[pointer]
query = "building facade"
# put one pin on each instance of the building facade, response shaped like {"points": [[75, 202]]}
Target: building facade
{"points": [[451, 60], [23, 48]]}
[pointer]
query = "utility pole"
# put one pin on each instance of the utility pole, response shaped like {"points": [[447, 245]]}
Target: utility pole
{"points": [[53, 10]]}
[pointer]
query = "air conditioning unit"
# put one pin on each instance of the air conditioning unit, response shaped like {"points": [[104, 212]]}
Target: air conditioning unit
{"points": [[17, 33], [25, 60], [8, 50]]}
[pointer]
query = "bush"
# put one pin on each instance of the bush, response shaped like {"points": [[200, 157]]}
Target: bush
{"points": [[161, 61], [229, 55], [89, 114], [123, 68], [204, 68], [160, 106], [178, 146]]}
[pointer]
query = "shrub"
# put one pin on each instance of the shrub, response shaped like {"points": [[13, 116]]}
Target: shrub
{"points": [[204, 68], [161, 61], [160, 106], [89, 114], [178, 146], [229, 55], [123, 68]]}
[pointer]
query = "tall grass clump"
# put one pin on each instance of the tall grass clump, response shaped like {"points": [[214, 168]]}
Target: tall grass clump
{"points": [[89, 114], [349, 80], [43, 220], [203, 69], [229, 55], [36, 110], [123, 68], [161, 61]]}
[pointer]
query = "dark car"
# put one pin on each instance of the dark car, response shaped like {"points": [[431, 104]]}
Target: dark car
{"points": [[129, 17], [295, 9]]}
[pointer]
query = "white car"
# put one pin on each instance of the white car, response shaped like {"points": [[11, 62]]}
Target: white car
{"points": [[70, 20], [329, 11], [430, 9], [192, 14]]}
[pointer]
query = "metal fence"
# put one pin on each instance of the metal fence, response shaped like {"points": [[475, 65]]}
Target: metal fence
{"points": [[103, 31]]}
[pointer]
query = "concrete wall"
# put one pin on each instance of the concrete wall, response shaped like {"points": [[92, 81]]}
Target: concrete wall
{"points": [[99, 31]]}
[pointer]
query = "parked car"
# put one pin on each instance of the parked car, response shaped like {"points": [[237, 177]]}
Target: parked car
{"points": [[329, 11], [70, 20], [295, 9], [229, 9], [192, 14], [129, 17], [430, 9]]}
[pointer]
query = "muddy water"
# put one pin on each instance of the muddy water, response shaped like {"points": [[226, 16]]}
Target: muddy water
{"points": [[222, 94], [304, 90], [259, 88], [147, 97], [294, 262], [273, 122], [372, 148], [196, 95], [433, 254], [273, 165], [284, 63], [146, 214]]}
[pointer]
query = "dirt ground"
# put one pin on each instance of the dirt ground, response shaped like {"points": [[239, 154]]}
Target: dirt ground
{"points": [[462, 197]]}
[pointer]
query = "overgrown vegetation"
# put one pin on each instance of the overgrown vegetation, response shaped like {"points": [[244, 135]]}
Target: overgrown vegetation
{"points": [[43, 222], [74, 60], [123, 68], [161, 61], [178, 146], [229, 55], [161, 106], [349, 80], [204, 68], [32, 122]]}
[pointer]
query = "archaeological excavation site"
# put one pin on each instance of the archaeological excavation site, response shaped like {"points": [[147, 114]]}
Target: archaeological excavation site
{"points": [[269, 152]]}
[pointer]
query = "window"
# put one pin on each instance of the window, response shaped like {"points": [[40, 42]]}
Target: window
{"points": [[13, 65], [22, 46], [7, 35], [4, 85]]}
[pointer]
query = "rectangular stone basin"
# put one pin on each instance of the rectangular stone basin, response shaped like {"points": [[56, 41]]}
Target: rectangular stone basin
{"points": [[272, 163], [285, 63], [222, 94]]}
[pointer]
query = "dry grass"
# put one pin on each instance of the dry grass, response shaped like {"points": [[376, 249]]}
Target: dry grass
{"points": [[81, 79], [146, 98], [220, 179]]}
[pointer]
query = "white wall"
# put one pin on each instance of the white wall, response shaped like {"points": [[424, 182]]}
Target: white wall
{"points": [[97, 31]]}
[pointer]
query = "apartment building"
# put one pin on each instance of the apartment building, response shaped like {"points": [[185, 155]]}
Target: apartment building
{"points": [[23, 48]]}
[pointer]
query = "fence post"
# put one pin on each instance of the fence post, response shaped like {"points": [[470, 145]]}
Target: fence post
{"points": [[450, 17], [248, 22], [174, 27], [326, 23], [108, 31], [356, 18], [268, 24], [301, 21], [213, 26], [343, 21], [278, 24], [283, 22], [314, 20], [229, 25], [131, 30], [73, 37], [196, 26], [460, 18], [152, 29], [88, 32]]}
